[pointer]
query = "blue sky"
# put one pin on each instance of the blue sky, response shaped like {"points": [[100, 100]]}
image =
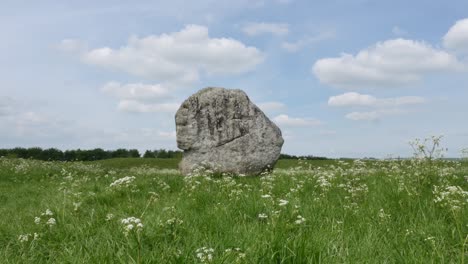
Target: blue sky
{"points": [[341, 78]]}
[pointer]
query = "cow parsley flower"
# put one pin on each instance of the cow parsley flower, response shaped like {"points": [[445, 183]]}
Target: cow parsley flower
{"points": [[51, 222], [132, 224], [37, 220], [123, 182], [24, 238], [300, 220], [262, 216], [283, 202], [205, 254], [48, 212], [109, 217]]}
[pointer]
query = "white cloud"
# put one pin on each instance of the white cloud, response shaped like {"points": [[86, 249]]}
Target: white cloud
{"points": [[379, 107], [287, 121], [457, 37], [271, 106], [136, 91], [390, 63], [375, 115], [177, 57], [254, 29], [363, 116], [141, 107], [353, 99], [301, 43]]}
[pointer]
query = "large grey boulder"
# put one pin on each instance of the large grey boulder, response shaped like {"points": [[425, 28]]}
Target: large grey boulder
{"points": [[223, 130]]}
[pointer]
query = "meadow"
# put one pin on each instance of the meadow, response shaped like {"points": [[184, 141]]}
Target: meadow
{"points": [[144, 211]]}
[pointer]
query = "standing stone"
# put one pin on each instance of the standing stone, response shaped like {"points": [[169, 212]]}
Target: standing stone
{"points": [[223, 130]]}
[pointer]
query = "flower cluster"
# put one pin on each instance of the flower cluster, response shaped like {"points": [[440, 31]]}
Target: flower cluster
{"points": [[262, 216], [47, 218], [300, 220], [123, 182], [131, 224], [205, 254], [26, 237], [453, 197]]}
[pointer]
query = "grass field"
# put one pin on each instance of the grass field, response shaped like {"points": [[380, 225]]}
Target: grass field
{"points": [[143, 211]]}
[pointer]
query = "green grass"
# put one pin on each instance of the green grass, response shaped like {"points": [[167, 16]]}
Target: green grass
{"points": [[125, 163], [121, 163], [355, 212]]}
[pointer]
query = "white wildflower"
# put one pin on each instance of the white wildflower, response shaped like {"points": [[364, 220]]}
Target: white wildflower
{"points": [[109, 217], [48, 212], [300, 220], [123, 182], [174, 221], [37, 220], [204, 254], [51, 222], [282, 202], [24, 238], [130, 224], [262, 216], [382, 215]]}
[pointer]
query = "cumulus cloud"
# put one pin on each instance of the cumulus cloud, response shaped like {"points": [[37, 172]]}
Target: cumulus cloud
{"points": [[137, 91], [390, 63], [271, 106], [309, 40], [353, 99], [287, 121], [379, 107], [254, 29], [363, 116], [374, 115], [457, 37], [142, 107], [177, 57]]}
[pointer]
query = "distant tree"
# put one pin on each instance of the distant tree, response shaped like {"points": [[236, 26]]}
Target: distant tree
{"points": [[308, 157], [69, 155], [34, 153], [120, 153], [3, 152], [98, 154], [51, 154], [148, 154], [19, 153], [133, 153]]}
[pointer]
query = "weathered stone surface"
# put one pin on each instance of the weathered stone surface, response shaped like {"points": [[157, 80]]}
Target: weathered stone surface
{"points": [[224, 130]]}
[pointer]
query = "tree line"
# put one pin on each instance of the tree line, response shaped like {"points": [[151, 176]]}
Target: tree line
{"points": [[100, 154], [308, 157], [83, 154]]}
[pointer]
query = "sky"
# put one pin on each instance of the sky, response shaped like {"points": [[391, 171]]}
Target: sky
{"points": [[354, 78]]}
